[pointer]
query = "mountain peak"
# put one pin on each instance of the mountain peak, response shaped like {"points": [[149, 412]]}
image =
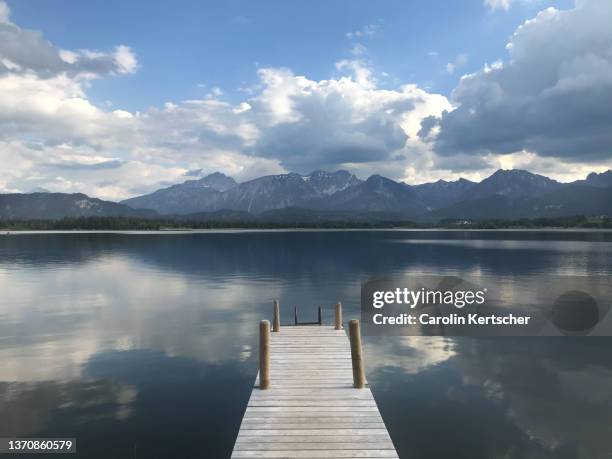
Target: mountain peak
{"points": [[217, 181], [318, 172], [517, 174], [216, 175], [187, 197], [513, 183], [594, 175], [380, 184], [322, 172], [603, 179], [328, 183], [512, 173]]}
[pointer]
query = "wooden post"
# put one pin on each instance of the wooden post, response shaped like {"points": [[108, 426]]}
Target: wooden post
{"points": [[356, 355], [276, 320], [320, 316], [295, 315], [264, 354], [338, 316]]}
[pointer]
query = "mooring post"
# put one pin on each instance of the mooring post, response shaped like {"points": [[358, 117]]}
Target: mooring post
{"points": [[320, 316], [295, 315], [276, 320], [356, 355], [338, 316], [264, 354]]}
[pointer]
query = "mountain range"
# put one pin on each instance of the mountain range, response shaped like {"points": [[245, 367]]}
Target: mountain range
{"points": [[505, 194], [51, 206]]}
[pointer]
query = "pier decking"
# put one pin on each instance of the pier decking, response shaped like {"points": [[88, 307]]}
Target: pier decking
{"points": [[311, 409]]}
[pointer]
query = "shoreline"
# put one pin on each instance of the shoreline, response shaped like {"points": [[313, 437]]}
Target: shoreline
{"points": [[9, 232]]}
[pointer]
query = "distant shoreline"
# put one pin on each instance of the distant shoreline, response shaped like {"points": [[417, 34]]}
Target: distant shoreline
{"points": [[4, 233], [177, 225]]}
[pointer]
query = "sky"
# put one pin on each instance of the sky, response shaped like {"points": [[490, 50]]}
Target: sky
{"points": [[116, 99]]}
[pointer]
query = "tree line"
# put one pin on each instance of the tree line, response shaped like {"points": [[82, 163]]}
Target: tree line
{"points": [[158, 224]]}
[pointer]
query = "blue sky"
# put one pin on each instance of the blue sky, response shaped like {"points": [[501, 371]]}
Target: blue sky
{"points": [[118, 98], [183, 44]]}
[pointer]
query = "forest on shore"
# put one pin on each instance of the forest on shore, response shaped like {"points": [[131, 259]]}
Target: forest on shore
{"points": [[159, 224]]}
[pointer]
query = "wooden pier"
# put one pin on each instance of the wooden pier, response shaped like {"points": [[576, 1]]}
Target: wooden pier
{"points": [[312, 407]]}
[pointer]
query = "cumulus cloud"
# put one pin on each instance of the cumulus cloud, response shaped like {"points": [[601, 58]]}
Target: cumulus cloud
{"points": [[343, 122], [26, 52], [549, 95], [330, 122], [552, 96], [52, 136], [291, 123]]}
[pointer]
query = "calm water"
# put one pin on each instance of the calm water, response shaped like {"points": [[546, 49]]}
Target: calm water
{"points": [[142, 345]]}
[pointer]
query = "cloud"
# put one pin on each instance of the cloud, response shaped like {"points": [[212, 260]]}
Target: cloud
{"points": [[125, 60], [358, 50], [498, 4], [5, 12], [193, 173], [459, 62], [26, 52], [367, 31], [332, 123], [53, 136], [87, 165], [552, 96], [57, 139], [575, 378], [505, 5]]}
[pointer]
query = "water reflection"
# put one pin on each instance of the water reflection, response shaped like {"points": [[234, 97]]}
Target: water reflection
{"points": [[502, 397], [119, 339], [112, 303], [135, 403], [29, 408]]}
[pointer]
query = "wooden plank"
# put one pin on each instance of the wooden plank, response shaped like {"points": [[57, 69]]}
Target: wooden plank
{"points": [[310, 397], [322, 439], [378, 445], [329, 454], [292, 358], [282, 352], [314, 367], [355, 422], [311, 409], [306, 414], [323, 403], [340, 393], [341, 379], [317, 432], [320, 371], [312, 425]]}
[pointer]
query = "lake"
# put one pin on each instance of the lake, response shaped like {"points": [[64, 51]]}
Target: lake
{"points": [[144, 345]]}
